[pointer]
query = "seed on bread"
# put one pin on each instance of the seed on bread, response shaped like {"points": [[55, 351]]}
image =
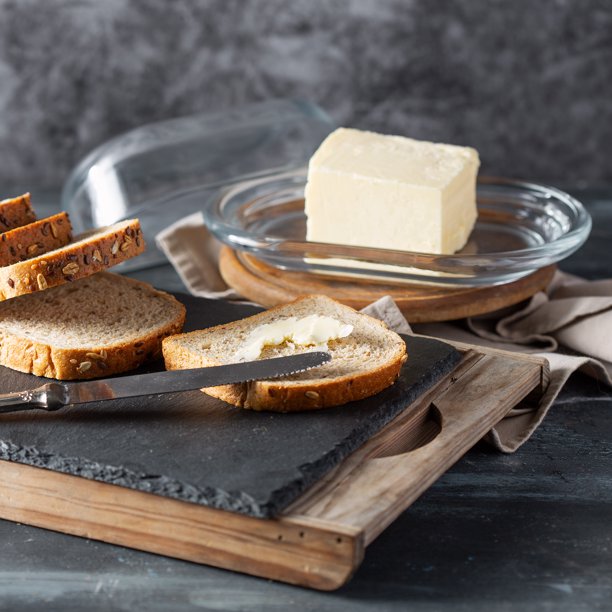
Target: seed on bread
{"points": [[84, 366], [70, 269], [42, 282], [313, 395]]}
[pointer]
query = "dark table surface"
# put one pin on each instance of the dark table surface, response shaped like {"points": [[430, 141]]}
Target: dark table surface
{"points": [[528, 531]]}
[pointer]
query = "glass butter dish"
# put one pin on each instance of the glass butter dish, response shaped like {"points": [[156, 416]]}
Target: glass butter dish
{"points": [[164, 171], [521, 227]]}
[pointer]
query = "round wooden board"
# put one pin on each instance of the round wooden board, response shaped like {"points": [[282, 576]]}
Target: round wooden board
{"points": [[269, 286]]}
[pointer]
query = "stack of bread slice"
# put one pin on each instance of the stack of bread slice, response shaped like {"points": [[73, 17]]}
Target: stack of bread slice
{"points": [[61, 315]]}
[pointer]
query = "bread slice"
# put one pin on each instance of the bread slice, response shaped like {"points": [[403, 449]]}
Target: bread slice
{"points": [[97, 326], [15, 212], [91, 252], [363, 363], [34, 239]]}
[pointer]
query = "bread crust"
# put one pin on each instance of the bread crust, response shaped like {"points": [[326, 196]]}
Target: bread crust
{"points": [[32, 357], [72, 262], [15, 212], [279, 396], [267, 395], [34, 239]]}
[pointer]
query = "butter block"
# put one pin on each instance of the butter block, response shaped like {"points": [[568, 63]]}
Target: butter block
{"points": [[392, 192]]}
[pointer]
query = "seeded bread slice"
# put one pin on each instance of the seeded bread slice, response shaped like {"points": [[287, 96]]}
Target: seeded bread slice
{"points": [[34, 239], [363, 363], [16, 212], [97, 326], [91, 252]]}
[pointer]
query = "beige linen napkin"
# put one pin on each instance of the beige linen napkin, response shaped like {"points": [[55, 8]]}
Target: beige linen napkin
{"points": [[539, 327], [194, 253], [570, 324]]}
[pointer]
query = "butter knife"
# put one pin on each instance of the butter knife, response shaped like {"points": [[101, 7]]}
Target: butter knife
{"points": [[53, 395]]}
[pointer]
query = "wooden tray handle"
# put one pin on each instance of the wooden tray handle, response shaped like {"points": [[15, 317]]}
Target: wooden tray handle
{"points": [[405, 458]]}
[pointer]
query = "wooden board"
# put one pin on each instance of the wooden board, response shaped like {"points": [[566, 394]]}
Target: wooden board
{"points": [[194, 448], [269, 286], [321, 539]]}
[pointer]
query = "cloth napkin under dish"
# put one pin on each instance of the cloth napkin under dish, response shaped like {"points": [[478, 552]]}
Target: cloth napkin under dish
{"points": [[570, 324]]}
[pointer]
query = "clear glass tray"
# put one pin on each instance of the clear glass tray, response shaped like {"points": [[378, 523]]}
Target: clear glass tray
{"points": [[521, 227]]}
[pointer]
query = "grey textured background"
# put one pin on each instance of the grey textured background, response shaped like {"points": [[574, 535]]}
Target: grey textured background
{"points": [[527, 82]]}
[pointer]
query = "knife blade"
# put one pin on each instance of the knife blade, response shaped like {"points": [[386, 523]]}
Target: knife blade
{"points": [[54, 395]]}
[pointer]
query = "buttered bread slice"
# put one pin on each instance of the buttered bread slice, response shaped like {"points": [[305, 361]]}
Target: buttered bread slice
{"points": [[97, 326], [366, 355], [91, 252]]}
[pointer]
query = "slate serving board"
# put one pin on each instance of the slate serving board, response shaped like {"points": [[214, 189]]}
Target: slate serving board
{"points": [[191, 447]]}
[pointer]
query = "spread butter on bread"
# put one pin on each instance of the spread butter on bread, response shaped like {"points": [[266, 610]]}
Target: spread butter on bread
{"points": [[364, 361]]}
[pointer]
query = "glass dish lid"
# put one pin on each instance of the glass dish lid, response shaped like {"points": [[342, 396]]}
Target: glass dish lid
{"points": [[521, 227], [161, 172]]}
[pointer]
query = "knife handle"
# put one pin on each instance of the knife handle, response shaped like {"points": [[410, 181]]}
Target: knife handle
{"points": [[50, 396]]}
